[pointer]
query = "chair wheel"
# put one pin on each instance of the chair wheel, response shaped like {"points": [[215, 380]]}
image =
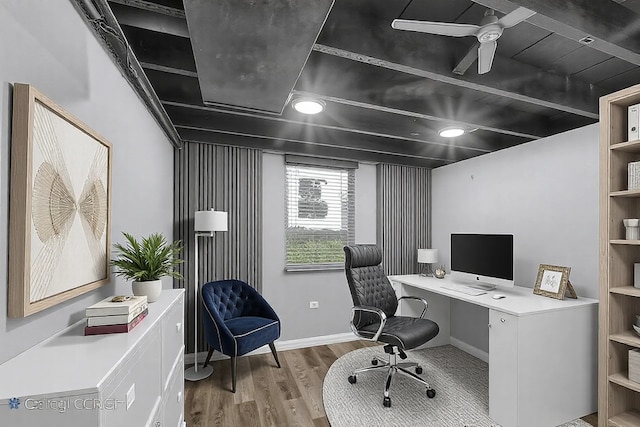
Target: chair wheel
{"points": [[352, 379], [374, 361], [418, 370], [431, 393], [386, 402]]}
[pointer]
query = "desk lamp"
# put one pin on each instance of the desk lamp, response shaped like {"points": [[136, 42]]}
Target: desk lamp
{"points": [[427, 257], [205, 224]]}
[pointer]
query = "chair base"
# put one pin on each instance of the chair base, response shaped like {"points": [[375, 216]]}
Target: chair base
{"points": [[392, 367]]}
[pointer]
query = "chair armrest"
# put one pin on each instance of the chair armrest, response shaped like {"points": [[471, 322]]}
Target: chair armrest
{"points": [[424, 302], [369, 309]]}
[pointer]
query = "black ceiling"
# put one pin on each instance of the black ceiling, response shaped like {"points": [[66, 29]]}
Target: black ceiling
{"points": [[387, 92]]}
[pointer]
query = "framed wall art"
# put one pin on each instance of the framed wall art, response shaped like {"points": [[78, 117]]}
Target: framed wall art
{"points": [[60, 205], [553, 281]]}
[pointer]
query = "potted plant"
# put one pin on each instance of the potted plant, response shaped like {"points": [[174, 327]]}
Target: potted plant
{"points": [[145, 262]]}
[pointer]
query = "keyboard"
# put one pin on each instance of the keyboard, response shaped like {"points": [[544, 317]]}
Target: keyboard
{"points": [[465, 290]]}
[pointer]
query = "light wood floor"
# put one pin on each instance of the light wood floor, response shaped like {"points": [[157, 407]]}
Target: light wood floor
{"points": [[268, 396]]}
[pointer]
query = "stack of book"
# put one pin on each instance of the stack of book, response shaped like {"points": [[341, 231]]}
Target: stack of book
{"points": [[633, 176], [115, 315]]}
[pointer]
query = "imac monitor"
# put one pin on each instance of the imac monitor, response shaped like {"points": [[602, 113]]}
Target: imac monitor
{"points": [[482, 260]]}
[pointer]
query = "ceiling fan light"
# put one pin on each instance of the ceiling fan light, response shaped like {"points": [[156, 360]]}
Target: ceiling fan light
{"points": [[308, 105], [451, 132]]}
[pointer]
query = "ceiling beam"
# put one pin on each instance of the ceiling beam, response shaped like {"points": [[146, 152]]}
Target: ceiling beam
{"points": [[614, 30], [549, 96], [151, 7], [403, 112], [304, 147], [205, 118], [161, 49], [143, 18], [433, 57]]}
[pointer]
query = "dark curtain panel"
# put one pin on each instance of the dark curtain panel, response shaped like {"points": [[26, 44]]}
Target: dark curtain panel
{"points": [[226, 179], [404, 216]]}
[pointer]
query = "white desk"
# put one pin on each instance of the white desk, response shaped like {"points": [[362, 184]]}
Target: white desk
{"points": [[542, 351]]}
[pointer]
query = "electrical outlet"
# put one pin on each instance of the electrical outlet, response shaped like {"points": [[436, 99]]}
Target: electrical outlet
{"points": [[314, 304]]}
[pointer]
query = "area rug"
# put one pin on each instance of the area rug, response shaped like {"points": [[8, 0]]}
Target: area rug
{"points": [[461, 382]]}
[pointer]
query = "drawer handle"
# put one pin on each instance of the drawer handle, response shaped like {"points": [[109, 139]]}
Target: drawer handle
{"points": [[502, 319], [179, 397], [178, 326]]}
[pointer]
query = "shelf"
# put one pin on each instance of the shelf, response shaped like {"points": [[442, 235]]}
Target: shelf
{"points": [[625, 290], [629, 146], [624, 381], [626, 337], [626, 419], [625, 242], [625, 193]]}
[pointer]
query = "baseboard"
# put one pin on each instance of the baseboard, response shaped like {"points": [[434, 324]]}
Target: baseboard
{"points": [[324, 340], [474, 351], [281, 346]]}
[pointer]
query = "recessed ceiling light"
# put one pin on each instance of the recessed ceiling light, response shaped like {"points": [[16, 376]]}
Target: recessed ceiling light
{"points": [[308, 105], [451, 132]]}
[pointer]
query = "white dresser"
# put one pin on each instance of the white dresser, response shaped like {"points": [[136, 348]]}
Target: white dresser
{"points": [[114, 380]]}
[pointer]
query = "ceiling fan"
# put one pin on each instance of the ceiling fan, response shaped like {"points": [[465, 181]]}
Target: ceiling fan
{"points": [[487, 33]]}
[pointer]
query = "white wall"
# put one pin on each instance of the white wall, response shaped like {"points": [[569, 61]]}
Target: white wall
{"points": [[544, 192], [290, 292], [48, 45]]}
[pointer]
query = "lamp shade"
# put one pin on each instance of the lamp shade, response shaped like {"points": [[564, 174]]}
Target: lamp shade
{"points": [[209, 221], [427, 256]]}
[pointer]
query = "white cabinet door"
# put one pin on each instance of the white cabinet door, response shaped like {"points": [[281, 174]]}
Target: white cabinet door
{"points": [[503, 368]]}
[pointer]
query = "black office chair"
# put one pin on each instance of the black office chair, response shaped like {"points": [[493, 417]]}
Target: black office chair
{"points": [[374, 319]]}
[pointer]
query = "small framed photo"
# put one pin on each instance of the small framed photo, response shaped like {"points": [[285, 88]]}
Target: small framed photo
{"points": [[553, 281]]}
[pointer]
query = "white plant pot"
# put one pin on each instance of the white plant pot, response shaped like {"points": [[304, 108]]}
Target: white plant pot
{"points": [[151, 289]]}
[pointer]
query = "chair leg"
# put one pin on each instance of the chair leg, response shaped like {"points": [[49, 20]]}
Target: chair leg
{"points": [[206, 362], [274, 352], [234, 373]]}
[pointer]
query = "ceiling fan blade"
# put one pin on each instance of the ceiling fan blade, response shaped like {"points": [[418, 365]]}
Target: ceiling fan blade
{"points": [[467, 60], [440, 28], [486, 52], [515, 17]]}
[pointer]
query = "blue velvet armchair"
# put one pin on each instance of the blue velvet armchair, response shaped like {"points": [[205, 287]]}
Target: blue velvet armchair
{"points": [[237, 320]]}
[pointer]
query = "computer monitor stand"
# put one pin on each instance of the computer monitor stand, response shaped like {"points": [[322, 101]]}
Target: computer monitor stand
{"points": [[481, 286]]}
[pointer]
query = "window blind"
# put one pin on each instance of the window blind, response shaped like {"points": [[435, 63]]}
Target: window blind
{"points": [[320, 215]]}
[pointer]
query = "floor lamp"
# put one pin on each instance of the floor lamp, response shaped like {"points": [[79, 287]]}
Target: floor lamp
{"points": [[205, 225]]}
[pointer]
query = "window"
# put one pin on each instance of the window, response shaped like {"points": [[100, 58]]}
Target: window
{"points": [[320, 213]]}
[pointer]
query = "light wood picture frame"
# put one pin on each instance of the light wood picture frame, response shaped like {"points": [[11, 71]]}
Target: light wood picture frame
{"points": [[60, 205], [553, 281]]}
